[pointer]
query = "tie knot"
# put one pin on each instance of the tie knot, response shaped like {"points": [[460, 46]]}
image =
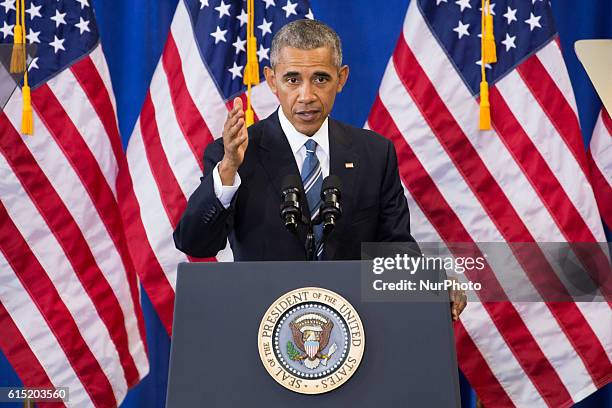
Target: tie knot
{"points": [[311, 146]]}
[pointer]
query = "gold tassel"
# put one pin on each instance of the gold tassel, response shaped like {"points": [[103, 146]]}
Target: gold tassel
{"points": [[18, 56], [484, 121], [27, 119], [249, 116], [485, 107], [490, 52], [251, 70]]}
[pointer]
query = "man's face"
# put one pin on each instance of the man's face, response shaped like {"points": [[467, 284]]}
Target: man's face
{"points": [[306, 83]]}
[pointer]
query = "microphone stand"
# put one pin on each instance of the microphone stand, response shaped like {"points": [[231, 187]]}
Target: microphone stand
{"points": [[310, 243], [311, 250]]}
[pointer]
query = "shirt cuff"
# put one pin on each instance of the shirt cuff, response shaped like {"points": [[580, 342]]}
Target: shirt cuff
{"points": [[225, 194]]}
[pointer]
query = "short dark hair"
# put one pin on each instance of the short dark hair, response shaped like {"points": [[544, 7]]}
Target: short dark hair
{"points": [[306, 35]]}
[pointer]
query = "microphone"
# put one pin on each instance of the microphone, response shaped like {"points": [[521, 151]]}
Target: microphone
{"points": [[290, 205], [330, 211]]}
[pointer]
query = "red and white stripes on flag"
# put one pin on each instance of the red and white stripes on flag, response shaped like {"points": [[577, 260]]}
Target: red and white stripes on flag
{"points": [[69, 303], [527, 180], [600, 161], [183, 112]]}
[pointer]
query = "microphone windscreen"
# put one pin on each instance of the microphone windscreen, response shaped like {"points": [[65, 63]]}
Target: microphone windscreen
{"points": [[332, 181], [291, 181]]}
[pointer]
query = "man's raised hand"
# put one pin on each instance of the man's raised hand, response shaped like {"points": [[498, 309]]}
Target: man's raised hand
{"points": [[235, 142]]}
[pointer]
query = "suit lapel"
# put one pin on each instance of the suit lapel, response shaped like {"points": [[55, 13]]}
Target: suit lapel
{"points": [[344, 164], [278, 161], [275, 153]]}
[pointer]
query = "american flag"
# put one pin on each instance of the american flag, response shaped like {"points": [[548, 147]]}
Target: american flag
{"points": [[199, 74], [526, 180], [600, 161], [70, 311]]}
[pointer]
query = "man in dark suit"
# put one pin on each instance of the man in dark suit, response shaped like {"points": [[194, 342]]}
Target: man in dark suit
{"points": [[306, 79], [240, 193]]}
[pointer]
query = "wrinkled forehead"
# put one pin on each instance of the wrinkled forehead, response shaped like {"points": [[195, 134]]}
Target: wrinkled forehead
{"points": [[304, 60]]}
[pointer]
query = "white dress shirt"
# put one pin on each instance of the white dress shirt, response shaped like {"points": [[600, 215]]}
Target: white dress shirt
{"points": [[296, 141]]}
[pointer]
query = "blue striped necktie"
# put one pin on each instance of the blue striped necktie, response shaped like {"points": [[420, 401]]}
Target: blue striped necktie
{"points": [[312, 179]]}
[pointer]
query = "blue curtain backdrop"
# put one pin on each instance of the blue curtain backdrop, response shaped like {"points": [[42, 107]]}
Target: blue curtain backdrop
{"points": [[133, 35]]}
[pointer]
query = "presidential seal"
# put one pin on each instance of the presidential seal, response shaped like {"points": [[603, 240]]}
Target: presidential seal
{"points": [[311, 340]]}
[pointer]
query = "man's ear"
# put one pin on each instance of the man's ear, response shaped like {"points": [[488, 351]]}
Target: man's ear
{"points": [[270, 79], [343, 74]]}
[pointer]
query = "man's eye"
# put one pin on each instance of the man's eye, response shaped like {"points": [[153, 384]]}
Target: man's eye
{"points": [[292, 80], [321, 79]]}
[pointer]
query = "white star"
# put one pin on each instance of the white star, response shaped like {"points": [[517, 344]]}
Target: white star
{"points": [[262, 53], [441, 1], [57, 44], [33, 36], [84, 3], [509, 42], [491, 7], [83, 25], [461, 29], [265, 27], [510, 15], [239, 45], [269, 3], [243, 17], [33, 64], [219, 35], [34, 11], [289, 8], [463, 4], [7, 29], [309, 15], [235, 70], [8, 5], [223, 9], [487, 66], [533, 21], [203, 3], [59, 18]]}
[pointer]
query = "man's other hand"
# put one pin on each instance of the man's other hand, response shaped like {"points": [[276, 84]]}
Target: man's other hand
{"points": [[458, 303]]}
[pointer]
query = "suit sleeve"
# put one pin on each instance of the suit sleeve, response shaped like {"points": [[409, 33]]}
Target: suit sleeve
{"points": [[394, 218], [204, 226]]}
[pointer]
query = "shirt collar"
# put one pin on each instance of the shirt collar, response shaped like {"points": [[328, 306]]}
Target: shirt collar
{"points": [[297, 139]]}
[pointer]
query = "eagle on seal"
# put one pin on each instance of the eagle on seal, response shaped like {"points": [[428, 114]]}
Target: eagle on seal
{"points": [[311, 333]]}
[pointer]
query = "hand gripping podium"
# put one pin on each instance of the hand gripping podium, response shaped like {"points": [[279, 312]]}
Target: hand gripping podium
{"points": [[224, 310]]}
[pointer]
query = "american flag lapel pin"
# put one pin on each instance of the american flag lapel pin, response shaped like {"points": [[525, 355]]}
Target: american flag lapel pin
{"points": [[349, 165]]}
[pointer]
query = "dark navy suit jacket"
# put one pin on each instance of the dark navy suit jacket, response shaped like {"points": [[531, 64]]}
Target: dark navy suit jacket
{"points": [[373, 202]]}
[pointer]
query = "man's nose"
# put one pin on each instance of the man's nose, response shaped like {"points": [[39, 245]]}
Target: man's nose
{"points": [[306, 93]]}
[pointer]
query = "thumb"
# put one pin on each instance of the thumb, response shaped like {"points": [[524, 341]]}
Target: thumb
{"points": [[237, 103]]}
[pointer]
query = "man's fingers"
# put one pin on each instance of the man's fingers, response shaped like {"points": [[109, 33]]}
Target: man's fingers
{"points": [[240, 140], [234, 131], [237, 136], [232, 127], [237, 104], [233, 117]]}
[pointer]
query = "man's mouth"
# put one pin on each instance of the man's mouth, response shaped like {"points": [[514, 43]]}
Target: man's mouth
{"points": [[308, 115]]}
